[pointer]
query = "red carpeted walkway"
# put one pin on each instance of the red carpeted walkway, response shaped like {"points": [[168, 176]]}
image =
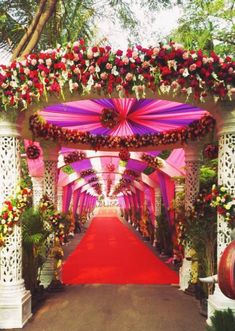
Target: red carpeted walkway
{"points": [[110, 253]]}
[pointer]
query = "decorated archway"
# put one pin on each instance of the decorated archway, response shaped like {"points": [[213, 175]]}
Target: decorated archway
{"points": [[123, 109]]}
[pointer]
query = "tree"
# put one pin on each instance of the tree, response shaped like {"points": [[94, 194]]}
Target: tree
{"points": [[207, 25], [27, 25]]}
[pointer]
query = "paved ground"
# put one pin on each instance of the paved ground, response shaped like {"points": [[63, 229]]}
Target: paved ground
{"points": [[117, 308]]}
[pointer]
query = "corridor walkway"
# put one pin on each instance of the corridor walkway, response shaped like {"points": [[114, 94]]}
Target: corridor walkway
{"points": [[111, 306]]}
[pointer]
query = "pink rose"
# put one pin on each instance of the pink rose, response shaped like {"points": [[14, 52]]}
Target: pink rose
{"points": [[91, 69], [104, 75], [125, 60], [185, 55], [129, 76], [156, 50], [108, 66], [34, 62], [193, 67]]}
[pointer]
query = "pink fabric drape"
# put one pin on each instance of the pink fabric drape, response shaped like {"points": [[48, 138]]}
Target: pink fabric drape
{"points": [[67, 195]]}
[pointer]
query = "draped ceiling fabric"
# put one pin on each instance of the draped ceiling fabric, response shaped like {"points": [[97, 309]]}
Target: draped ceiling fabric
{"points": [[144, 116]]}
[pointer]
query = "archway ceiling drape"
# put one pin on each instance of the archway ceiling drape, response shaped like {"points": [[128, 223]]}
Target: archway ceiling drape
{"points": [[136, 117]]}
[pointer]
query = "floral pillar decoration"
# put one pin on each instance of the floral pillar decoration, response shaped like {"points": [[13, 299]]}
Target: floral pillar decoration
{"points": [[226, 178], [15, 301], [158, 201], [192, 165]]}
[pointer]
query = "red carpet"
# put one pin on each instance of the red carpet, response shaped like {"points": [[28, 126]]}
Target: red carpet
{"points": [[110, 253]]}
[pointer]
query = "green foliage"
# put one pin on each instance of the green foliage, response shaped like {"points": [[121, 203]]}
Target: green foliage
{"points": [[163, 233], [207, 25], [34, 237], [68, 170], [222, 321]]}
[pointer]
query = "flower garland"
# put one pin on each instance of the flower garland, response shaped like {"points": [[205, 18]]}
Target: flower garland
{"points": [[123, 184], [87, 172], [11, 211], [109, 184], [152, 161], [221, 199], [32, 152], [168, 68], [93, 179], [131, 173], [211, 151], [194, 131], [109, 118], [74, 157]]}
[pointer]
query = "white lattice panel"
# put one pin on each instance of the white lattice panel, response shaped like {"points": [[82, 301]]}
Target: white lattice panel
{"points": [[11, 258], [226, 177], [50, 179], [191, 182], [37, 189], [9, 166]]}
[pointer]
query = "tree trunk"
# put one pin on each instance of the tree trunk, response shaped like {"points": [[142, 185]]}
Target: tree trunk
{"points": [[33, 33]]}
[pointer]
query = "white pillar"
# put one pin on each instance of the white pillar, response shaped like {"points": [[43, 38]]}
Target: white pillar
{"points": [[60, 198], [37, 189], [192, 166], [50, 153], [226, 177], [15, 301], [158, 201]]}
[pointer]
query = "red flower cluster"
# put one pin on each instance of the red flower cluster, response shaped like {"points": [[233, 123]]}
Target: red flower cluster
{"points": [[124, 155], [109, 184], [74, 157], [87, 172], [83, 69], [152, 161], [194, 131], [33, 152], [109, 118], [123, 184], [211, 151]]}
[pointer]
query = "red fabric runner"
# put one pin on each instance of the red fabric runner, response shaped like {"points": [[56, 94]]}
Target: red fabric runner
{"points": [[110, 253]]}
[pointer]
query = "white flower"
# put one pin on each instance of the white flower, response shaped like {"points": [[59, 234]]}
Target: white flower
{"points": [[223, 189]]}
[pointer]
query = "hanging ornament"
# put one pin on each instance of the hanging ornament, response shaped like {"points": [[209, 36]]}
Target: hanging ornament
{"points": [[110, 167], [109, 118], [124, 155], [32, 152]]}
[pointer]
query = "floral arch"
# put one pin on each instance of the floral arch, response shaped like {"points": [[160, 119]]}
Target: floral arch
{"points": [[31, 87]]}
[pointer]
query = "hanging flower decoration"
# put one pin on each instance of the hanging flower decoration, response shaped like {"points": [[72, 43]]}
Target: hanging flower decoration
{"points": [[169, 68], [152, 161], [98, 189], [74, 157], [109, 184], [194, 131], [33, 152], [11, 211], [87, 172], [131, 173], [110, 167], [211, 151], [123, 185], [221, 199], [124, 155], [109, 118]]}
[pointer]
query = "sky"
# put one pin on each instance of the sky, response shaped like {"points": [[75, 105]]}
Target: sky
{"points": [[152, 29]]}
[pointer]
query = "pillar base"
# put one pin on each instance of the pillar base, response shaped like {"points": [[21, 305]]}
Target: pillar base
{"points": [[15, 306], [185, 274], [218, 301]]}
